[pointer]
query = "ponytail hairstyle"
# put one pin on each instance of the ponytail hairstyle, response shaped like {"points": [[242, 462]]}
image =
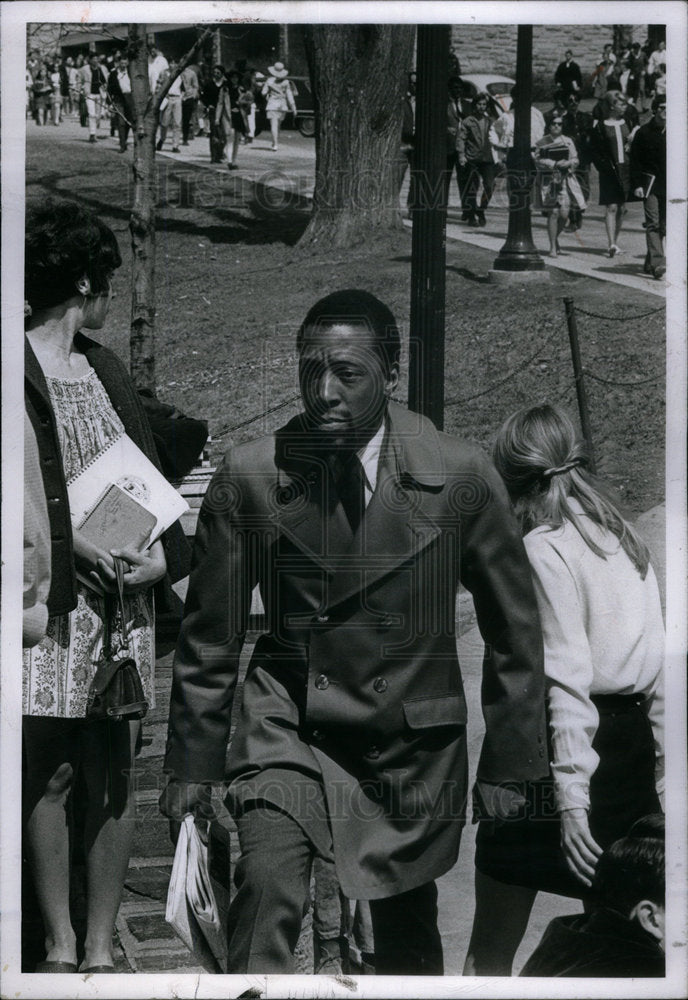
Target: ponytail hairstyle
{"points": [[542, 460]]}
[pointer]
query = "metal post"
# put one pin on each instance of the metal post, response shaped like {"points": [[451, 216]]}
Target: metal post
{"points": [[519, 252], [580, 384], [429, 214]]}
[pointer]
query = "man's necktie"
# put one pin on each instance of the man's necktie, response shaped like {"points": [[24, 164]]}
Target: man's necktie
{"points": [[351, 490]]}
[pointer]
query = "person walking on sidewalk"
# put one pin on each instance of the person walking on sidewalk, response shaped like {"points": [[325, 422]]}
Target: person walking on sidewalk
{"points": [[609, 148], [567, 78], [229, 114], [475, 161], [190, 94], [94, 83], [119, 89], [576, 125], [171, 113], [557, 186], [604, 660], [279, 95], [648, 181], [358, 520], [218, 128]]}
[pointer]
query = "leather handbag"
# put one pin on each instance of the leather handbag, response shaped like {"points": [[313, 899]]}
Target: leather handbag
{"points": [[116, 691]]}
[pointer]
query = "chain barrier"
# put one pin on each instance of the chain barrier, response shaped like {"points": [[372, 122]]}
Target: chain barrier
{"points": [[266, 413], [618, 319], [628, 385]]}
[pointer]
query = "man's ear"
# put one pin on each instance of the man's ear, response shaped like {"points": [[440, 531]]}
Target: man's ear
{"points": [[650, 916], [392, 380], [83, 285]]}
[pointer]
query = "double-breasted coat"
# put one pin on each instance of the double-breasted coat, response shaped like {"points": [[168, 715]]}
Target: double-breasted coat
{"points": [[357, 683]]}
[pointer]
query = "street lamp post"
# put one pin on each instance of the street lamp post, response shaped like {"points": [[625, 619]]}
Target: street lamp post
{"points": [[519, 252]]}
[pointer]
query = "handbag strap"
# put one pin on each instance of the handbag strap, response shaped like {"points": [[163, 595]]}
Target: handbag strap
{"points": [[113, 608]]}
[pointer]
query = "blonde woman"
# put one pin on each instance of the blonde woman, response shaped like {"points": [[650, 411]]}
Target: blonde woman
{"points": [[604, 647]]}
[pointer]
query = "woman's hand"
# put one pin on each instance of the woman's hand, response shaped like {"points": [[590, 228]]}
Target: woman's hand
{"points": [[580, 849], [145, 568], [89, 559]]}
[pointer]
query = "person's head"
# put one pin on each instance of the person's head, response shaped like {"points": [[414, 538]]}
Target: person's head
{"points": [[659, 107], [152, 49], [607, 49], [630, 878], [412, 81], [122, 60], [541, 458], [455, 85], [218, 72], [614, 104], [69, 61], [348, 347], [556, 123], [234, 77], [568, 55], [480, 104], [661, 46], [69, 252], [572, 102], [94, 62], [635, 48]]}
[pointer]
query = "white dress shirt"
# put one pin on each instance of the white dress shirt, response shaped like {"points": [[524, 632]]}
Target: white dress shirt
{"points": [[369, 457], [603, 634]]}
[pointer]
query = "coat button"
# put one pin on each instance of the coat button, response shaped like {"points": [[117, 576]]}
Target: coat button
{"points": [[317, 736], [380, 685], [53, 499], [322, 619], [372, 753], [322, 682]]}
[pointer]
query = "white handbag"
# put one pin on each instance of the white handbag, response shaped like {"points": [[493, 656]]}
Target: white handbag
{"points": [[192, 901]]}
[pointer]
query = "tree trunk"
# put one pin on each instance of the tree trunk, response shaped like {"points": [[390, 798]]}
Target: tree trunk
{"points": [[359, 74], [142, 222]]}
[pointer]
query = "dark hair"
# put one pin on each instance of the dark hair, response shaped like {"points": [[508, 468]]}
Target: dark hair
{"points": [[355, 307], [220, 67], [630, 870], [64, 242], [652, 825], [540, 455], [656, 101]]}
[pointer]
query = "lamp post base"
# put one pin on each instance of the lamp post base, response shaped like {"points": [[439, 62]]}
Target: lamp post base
{"points": [[502, 277]]}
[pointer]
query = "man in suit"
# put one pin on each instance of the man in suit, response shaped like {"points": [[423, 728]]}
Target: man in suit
{"points": [[458, 106], [358, 520], [567, 78]]}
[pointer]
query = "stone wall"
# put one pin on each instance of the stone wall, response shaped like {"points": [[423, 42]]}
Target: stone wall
{"points": [[492, 48]]}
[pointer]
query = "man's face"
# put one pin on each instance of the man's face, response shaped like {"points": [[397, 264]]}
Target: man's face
{"points": [[343, 384], [455, 90], [660, 114], [568, 55], [480, 105]]}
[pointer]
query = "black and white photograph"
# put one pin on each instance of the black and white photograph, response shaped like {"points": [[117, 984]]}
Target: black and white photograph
{"points": [[347, 505]]}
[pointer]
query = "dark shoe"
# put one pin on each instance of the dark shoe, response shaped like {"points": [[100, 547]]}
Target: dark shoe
{"points": [[92, 969], [185, 142], [176, 149], [92, 138], [232, 166], [68, 967], [158, 145], [481, 219], [659, 272], [465, 216], [473, 223]]}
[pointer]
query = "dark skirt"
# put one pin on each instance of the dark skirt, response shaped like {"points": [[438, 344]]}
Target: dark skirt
{"points": [[615, 185], [526, 850]]}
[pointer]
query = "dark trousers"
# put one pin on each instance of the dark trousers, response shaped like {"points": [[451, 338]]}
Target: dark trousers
{"points": [[473, 174], [655, 230], [188, 109], [272, 896], [125, 118], [461, 174]]}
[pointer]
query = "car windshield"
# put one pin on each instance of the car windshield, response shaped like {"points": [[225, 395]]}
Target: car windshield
{"points": [[499, 89]]}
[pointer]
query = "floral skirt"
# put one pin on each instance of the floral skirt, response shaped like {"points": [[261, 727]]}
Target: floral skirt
{"points": [[57, 673]]}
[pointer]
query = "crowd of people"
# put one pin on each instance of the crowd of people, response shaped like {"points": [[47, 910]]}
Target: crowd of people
{"points": [[229, 106], [630, 159], [350, 750]]}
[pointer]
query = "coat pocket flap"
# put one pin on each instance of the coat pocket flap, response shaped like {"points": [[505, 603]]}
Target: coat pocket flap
{"points": [[426, 712]]}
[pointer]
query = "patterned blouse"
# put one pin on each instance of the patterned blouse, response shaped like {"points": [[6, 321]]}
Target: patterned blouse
{"points": [[58, 671]]}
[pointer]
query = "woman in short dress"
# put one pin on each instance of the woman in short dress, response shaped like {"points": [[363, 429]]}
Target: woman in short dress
{"points": [[280, 99], [610, 140], [556, 160], [604, 651], [79, 398]]}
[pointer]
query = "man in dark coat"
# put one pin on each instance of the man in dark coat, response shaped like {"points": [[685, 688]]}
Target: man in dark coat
{"points": [[476, 161], [623, 936], [567, 78], [648, 181], [358, 520], [576, 125]]}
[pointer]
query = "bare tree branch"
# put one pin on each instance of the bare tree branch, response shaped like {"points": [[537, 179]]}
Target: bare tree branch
{"points": [[161, 94]]}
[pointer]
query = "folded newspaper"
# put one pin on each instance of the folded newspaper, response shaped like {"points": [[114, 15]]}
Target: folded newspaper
{"points": [[196, 904]]}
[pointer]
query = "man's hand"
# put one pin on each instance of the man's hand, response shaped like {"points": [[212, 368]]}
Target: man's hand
{"points": [[182, 797], [580, 849], [639, 193], [499, 802]]}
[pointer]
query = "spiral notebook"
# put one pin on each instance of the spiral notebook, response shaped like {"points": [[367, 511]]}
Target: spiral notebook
{"points": [[121, 500]]}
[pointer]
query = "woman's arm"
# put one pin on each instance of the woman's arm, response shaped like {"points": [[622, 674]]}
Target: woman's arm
{"points": [[573, 717]]}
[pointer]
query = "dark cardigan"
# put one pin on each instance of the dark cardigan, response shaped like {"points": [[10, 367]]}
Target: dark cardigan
{"points": [[120, 389]]}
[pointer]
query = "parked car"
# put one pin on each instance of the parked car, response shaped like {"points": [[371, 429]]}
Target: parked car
{"points": [[498, 89], [304, 120]]}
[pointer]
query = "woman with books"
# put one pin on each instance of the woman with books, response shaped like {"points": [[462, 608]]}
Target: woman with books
{"points": [[603, 637], [557, 185], [81, 402]]}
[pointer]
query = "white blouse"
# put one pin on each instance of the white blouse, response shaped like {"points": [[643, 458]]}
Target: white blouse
{"points": [[603, 634]]}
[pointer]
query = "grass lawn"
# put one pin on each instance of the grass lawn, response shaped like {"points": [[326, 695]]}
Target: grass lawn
{"points": [[232, 288]]}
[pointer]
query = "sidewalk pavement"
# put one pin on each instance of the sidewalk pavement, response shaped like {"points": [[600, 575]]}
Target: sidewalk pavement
{"points": [[287, 177]]}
